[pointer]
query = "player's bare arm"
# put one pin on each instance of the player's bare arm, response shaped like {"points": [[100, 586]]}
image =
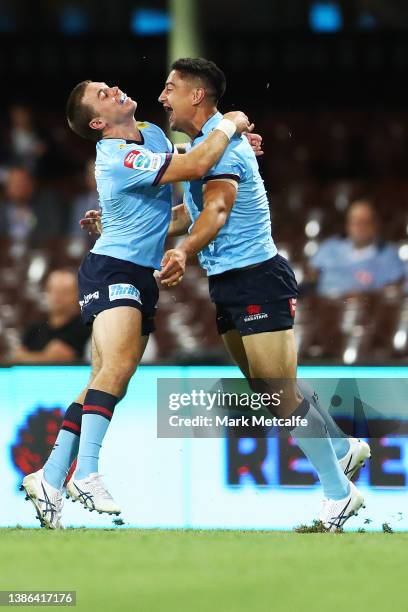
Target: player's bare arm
{"points": [[219, 198], [180, 219], [255, 140], [194, 164]]}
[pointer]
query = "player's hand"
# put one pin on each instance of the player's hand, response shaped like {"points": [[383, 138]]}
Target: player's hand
{"points": [[91, 223], [173, 267], [255, 140], [241, 121]]}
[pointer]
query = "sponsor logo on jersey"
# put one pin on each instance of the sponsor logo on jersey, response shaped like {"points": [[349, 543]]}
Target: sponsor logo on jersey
{"points": [[142, 160], [87, 298], [124, 291], [254, 313], [292, 306]]}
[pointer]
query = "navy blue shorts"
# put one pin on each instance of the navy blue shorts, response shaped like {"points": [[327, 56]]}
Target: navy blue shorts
{"points": [[257, 299], [107, 282]]}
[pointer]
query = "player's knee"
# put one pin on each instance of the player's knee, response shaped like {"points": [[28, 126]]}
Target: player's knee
{"points": [[282, 394], [269, 370], [125, 372], [120, 372]]}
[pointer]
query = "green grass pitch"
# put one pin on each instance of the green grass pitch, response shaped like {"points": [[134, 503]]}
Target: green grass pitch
{"points": [[209, 571]]}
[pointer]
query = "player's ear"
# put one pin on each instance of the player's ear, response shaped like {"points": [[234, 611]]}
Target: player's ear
{"points": [[97, 124], [198, 95]]}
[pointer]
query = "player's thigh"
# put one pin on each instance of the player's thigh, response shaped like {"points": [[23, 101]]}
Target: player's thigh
{"points": [[231, 337], [235, 346], [117, 335], [271, 354], [272, 363]]}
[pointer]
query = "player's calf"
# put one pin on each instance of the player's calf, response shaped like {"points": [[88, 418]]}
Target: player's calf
{"points": [[65, 447], [97, 413]]}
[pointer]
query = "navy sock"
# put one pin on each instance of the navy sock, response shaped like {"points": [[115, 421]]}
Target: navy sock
{"points": [[96, 416], [65, 448]]}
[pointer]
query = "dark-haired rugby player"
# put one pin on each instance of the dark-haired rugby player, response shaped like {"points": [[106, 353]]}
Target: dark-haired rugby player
{"points": [[253, 287]]}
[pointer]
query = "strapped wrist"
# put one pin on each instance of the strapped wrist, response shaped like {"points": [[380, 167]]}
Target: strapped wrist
{"points": [[228, 127]]}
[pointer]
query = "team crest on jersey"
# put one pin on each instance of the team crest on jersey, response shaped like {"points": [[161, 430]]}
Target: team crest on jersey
{"points": [[124, 291], [142, 160]]}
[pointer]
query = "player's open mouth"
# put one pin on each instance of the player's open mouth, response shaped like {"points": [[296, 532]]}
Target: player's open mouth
{"points": [[169, 110], [123, 98]]}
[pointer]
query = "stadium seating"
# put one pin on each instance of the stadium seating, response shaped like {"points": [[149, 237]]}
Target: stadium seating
{"points": [[357, 329], [314, 165]]}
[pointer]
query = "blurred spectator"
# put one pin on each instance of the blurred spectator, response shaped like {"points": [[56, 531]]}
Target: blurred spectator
{"points": [[23, 144], [361, 261], [62, 337], [28, 214], [88, 200]]}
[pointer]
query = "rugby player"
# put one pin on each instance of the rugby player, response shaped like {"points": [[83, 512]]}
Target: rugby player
{"points": [[118, 292], [252, 286], [254, 290]]}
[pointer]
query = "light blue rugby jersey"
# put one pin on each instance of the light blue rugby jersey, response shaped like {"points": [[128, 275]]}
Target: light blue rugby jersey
{"points": [[136, 211], [245, 238]]}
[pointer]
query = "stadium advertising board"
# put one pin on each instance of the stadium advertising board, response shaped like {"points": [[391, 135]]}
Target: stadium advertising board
{"points": [[223, 479]]}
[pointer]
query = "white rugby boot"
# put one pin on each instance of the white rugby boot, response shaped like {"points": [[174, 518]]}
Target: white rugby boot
{"points": [[46, 500], [355, 458], [92, 494], [335, 512]]}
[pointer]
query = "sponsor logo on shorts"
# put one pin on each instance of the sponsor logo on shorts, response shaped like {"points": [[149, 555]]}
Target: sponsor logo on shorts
{"points": [[254, 313], [143, 160], [292, 306], [87, 298], [124, 291], [253, 309]]}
